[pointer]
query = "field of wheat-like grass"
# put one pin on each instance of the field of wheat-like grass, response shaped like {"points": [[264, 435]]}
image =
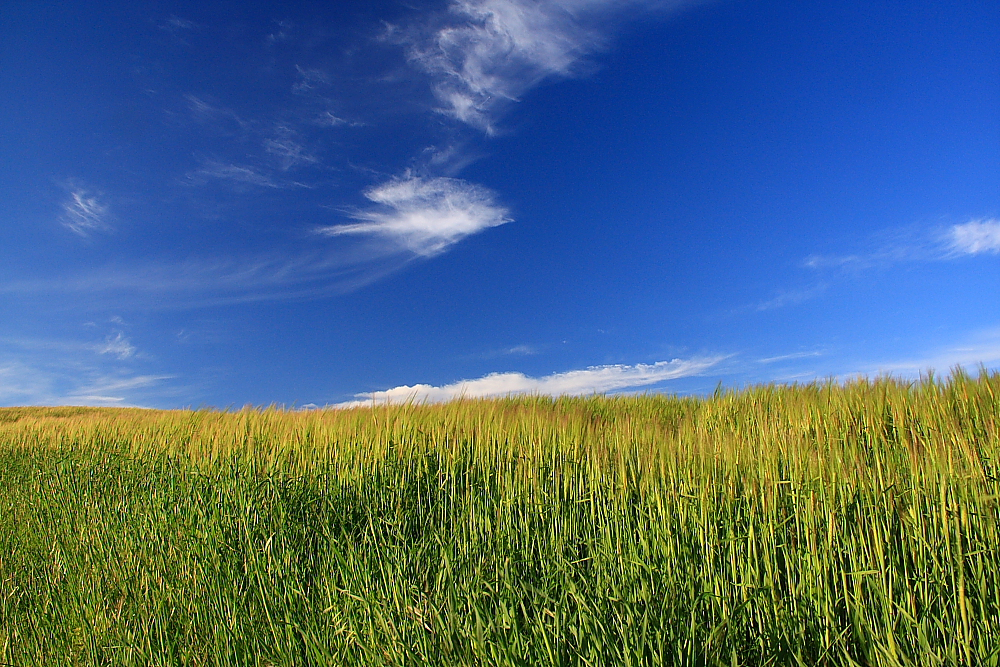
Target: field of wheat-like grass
{"points": [[821, 524]]}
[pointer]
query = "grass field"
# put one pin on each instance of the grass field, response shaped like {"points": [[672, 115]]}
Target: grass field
{"points": [[822, 524]]}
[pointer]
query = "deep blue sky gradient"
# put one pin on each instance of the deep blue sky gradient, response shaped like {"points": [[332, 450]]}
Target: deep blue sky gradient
{"points": [[761, 191]]}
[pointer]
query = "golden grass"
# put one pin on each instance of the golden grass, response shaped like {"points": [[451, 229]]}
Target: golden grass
{"points": [[812, 524]]}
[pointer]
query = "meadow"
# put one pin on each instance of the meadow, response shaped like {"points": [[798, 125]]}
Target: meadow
{"points": [[819, 524]]}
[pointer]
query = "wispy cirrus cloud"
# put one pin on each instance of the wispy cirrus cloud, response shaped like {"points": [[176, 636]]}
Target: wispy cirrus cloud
{"points": [[788, 298], [519, 350], [71, 371], [486, 50], [497, 50], [593, 380], [489, 52], [85, 212], [424, 215], [479, 54], [968, 350], [309, 79], [288, 153], [221, 117], [279, 146], [117, 345], [234, 173], [790, 357], [112, 390], [179, 28], [282, 34], [202, 281], [975, 237], [892, 247], [330, 119], [176, 23]]}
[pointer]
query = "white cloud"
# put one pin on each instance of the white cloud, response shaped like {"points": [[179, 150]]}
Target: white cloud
{"points": [[204, 281], [85, 213], [288, 153], [232, 172], [918, 245], [594, 380], [829, 261], [111, 390], [499, 49], [205, 112], [175, 23], [881, 257], [328, 119], [975, 237], [790, 298], [284, 28], [117, 345], [309, 79], [495, 50], [425, 215], [789, 357], [66, 372]]}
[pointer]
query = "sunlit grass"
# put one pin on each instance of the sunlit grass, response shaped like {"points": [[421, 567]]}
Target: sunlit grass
{"points": [[820, 524]]}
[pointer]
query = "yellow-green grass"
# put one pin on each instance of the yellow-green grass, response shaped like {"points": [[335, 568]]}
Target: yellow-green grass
{"points": [[784, 525]]}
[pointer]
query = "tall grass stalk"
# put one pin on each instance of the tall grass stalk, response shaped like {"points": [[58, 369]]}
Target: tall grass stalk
{"points": [[822, 524]]}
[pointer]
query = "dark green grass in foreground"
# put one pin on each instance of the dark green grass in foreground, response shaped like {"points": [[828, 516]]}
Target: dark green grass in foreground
{"points": [[779, 525]]}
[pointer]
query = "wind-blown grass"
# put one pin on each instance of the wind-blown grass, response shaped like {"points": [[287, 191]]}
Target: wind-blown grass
{"points": [[821, 524]]}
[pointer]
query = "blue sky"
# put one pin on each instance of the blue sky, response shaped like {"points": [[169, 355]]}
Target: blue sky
{"points": [[215, 204]]}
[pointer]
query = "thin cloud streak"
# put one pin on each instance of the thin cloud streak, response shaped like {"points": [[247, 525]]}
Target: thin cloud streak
{"points": [[73, 372], [175, 24], [520, 350], [593, 380], [84, 213], [976, 237], [425, 215], [200, 282], [234, 173], [309, 78], [329, 119], [968, 352], [288, 153], [789, 298], [206, 112], [112, 391], [789, 357]]}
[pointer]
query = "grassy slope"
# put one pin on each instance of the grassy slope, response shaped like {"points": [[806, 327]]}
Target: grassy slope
{"points": [[815, 524]]}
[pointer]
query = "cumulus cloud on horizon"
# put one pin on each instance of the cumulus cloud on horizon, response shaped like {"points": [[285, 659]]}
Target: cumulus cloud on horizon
{"points": [[425, 215], [593, 380]]}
